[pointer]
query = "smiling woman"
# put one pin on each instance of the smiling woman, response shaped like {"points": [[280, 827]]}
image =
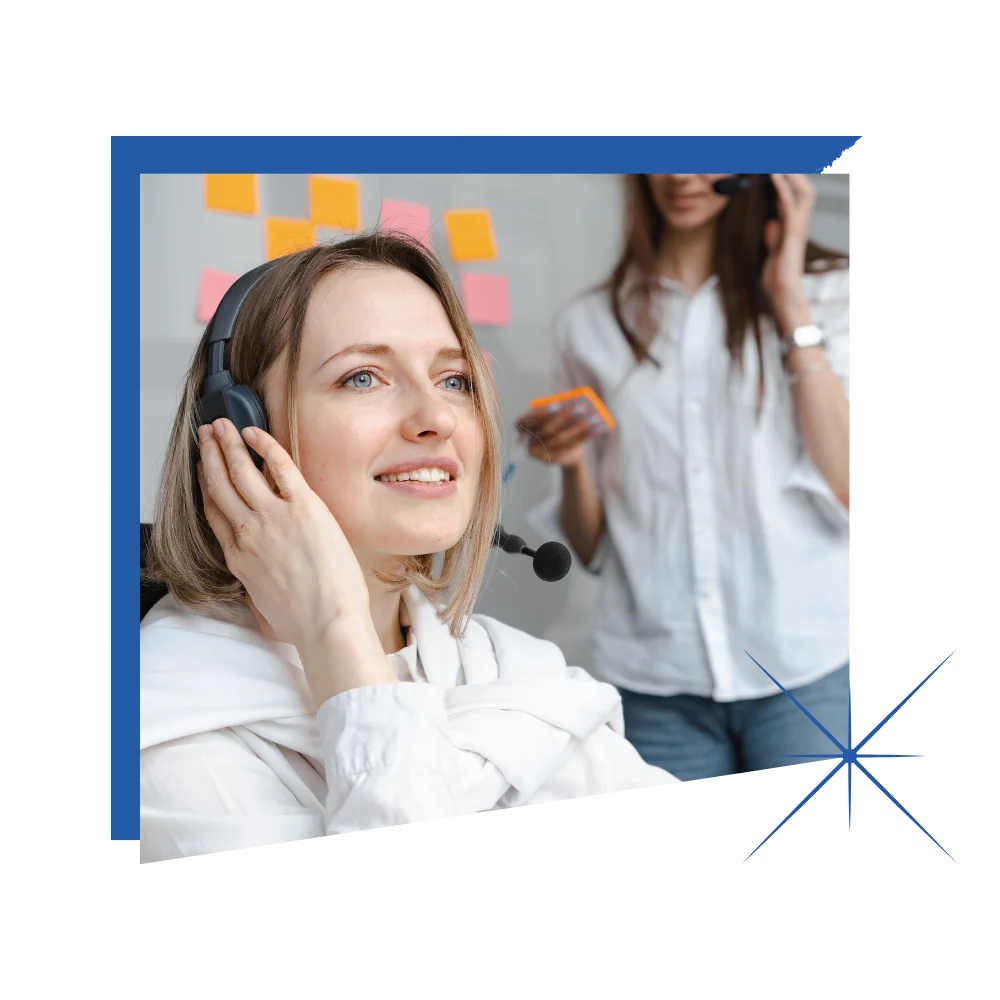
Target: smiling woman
{"points": [[303, 677], [338, 341], [387, 365]]}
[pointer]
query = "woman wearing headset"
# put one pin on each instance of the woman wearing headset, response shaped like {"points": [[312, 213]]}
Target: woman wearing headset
{"points": [[316, 668], [716, 513]]}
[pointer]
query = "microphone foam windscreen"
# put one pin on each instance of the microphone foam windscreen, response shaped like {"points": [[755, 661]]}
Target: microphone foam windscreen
{"points": [[552, 561]]}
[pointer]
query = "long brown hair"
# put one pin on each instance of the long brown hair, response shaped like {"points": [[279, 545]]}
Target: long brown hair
{"points": [[740, 255], [183, 550]]}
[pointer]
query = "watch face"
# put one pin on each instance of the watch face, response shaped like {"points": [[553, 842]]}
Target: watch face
{"points": [[807, 336]]}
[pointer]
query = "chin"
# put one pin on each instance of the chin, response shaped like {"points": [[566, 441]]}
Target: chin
{"points": [[416, 543], [687, 220]]}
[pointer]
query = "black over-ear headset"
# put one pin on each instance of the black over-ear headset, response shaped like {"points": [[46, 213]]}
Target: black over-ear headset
{"points": [[220, 397]]}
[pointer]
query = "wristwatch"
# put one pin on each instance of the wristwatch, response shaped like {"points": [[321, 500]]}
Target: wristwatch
{"points": [[803, 336]]}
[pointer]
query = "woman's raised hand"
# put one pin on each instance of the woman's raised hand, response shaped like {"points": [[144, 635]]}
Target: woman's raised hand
{"points": [[556, 438], [786, 238]]}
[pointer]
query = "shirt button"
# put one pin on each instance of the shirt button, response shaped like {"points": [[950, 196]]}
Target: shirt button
{"points": [[695, 469], [703, 594]]}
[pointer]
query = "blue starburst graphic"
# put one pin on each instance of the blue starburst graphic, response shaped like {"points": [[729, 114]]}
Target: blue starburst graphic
{"points": [[848, 756]]}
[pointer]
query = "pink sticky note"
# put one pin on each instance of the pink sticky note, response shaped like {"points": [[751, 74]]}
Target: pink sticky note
{"points": [[406, 217], [487, 298], [214, 284]]}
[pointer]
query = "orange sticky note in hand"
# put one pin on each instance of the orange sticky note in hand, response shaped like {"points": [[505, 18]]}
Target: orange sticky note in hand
{"points": [[231, 193], [285, 236], [584, 403], [335, 203], [470, 234]]}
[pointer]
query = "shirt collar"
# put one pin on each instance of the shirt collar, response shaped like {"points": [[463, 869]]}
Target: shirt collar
{"points": [[431, 654], [669, 289], [669, 284]]}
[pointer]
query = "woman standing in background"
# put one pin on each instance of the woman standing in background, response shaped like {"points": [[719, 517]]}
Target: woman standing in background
{"points": [[716, 513]]}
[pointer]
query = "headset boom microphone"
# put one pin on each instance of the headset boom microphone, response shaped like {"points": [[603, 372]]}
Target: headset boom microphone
{"points": [[551, 560]]}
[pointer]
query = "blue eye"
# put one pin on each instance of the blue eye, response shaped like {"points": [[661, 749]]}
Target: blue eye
{"points": [[360, 380], [458, 382]]}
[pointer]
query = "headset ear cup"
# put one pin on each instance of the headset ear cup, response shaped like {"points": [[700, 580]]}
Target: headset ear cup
{"points": [[245, 409]]}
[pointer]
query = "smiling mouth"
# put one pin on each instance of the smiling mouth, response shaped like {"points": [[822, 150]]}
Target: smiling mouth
{"points": [[429, 475], [427, 489]]}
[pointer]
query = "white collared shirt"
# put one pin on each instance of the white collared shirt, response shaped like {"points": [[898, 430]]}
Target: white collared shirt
{"points": [[722, 538]]}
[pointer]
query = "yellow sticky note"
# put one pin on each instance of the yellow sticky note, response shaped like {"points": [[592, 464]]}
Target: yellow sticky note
{"points": [[470, 234], [231, 193], [335, 203], [285, 236]]}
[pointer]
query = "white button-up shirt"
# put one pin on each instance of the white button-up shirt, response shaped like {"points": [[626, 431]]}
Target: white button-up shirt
{"points": [[722, 538]]}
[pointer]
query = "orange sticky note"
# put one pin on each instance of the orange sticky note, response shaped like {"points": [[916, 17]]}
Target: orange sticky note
{"points": [[470, 234], [211, 288], [285, 236], [583, 402], [335, 203], [231, 193]]}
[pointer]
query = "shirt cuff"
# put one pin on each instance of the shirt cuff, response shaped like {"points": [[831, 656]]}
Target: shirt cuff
{"points": [[364, 728], [807, 478]]}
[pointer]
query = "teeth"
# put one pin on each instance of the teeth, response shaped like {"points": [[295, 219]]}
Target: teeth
{"points": [[431, 474]]}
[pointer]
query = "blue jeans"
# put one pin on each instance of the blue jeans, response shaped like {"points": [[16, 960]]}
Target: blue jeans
{"points": [[694, 737]]}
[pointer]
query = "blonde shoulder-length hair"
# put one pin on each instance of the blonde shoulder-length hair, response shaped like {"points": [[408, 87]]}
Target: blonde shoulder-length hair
{"points": [[183, 551]]}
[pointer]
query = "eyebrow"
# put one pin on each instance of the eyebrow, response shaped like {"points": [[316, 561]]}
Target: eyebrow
{"points": [[382, 350]]}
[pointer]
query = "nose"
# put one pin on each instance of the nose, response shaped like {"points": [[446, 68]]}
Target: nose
{"points": [[429, 416], [684, 182]]}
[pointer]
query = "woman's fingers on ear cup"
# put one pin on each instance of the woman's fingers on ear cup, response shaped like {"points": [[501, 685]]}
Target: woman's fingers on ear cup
{"points": [[242, 472], [278, 462]]}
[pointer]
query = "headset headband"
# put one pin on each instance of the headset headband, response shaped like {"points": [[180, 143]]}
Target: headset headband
{"points": [[220, 327]]}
